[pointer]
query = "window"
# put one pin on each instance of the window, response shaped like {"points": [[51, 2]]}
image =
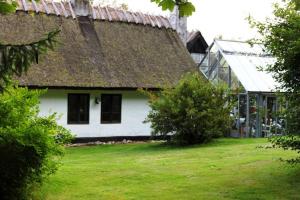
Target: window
{"points": [[111, 108], [78, 108]]}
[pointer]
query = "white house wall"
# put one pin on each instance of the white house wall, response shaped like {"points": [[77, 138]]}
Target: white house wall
{"points": [[134, 111]]}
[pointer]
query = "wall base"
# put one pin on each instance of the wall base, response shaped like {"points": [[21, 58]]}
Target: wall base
{"points": [[118, 139]]}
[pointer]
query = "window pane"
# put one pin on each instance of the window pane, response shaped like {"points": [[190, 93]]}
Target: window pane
{"points": [[72, 113], [106, 103], [116, 104], [111, 108], [106, 117], [115, 117], [78, 108]]}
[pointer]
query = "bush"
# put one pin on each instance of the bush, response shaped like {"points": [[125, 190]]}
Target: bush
{"points": [[193, 112], [30, 146], [288, 142], [290, 138], [292, 113], [281, 37]]}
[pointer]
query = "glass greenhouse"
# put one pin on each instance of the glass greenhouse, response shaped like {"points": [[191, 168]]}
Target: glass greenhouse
{"points": [[239, 65]]}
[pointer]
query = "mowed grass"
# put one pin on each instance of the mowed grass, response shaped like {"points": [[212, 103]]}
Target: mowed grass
{"points": [[223, 169]]}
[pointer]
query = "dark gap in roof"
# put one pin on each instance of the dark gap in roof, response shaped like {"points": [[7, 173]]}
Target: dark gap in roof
{"points": [[197, 43]]}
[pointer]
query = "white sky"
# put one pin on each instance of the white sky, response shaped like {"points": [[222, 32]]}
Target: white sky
{"points": [[215, 18]]}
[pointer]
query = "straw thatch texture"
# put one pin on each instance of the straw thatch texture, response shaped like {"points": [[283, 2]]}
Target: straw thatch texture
{"points": [[95, 53]]}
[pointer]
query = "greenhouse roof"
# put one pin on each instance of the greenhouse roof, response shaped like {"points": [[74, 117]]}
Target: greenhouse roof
{"points": [[246, 61]]}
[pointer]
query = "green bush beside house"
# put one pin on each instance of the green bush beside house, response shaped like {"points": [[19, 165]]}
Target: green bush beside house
{"points": [[30, 146], [195, 111]]}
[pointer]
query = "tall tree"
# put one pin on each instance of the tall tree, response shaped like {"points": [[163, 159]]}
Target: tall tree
{"points": [[281, 37]]}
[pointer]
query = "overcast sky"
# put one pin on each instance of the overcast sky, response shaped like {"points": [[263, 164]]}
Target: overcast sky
{"points": [[216, 17]]}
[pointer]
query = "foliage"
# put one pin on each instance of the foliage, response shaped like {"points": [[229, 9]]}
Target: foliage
{"points": [[30, 146], [291, 112], [288, 142], [281, 37], [7, 6], [186, 8], [193, 112]]}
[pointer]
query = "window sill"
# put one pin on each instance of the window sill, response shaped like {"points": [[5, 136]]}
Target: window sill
{"points": [[110, 123]]}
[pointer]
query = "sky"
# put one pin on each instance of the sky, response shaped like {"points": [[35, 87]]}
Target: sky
{"points": [[215, 18]]}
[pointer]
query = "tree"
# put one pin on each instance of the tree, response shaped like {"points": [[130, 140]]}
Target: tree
{"points": [[281, 37], [30, 145], [192, 112]]}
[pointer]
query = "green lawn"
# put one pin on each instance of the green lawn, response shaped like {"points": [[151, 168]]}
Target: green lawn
{"points": [[224, 169]]}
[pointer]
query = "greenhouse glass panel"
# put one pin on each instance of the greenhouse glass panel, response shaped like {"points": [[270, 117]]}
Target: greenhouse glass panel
{"points": [[239, 65]]}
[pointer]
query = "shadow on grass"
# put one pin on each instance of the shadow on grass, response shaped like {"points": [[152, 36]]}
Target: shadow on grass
{"points": [[154, 147], [166, 146], [216, 142]]}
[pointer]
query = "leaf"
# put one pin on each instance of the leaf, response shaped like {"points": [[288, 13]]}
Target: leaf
{"points": [[297, 4], [186, 9], [156, 1], [167, 5], [6, 7]]}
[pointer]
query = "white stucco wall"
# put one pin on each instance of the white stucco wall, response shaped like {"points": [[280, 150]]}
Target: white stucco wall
{"points": [[134, 111]]}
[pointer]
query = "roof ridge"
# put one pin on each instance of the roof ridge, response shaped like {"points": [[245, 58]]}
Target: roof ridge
{"points": [[106, 13], [128, 11]]}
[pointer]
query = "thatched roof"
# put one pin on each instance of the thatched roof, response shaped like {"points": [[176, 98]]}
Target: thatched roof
{"points": [[96, 53]]}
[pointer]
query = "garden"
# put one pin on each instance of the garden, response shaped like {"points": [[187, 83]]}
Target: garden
{"points": [[222, 169], [195, 161]]}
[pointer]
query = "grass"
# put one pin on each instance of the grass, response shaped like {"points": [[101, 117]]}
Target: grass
{"points": [[223, 169]]}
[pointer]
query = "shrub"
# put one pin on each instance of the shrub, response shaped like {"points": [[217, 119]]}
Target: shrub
{"points": [[292, 115], [30, 146], [281, 37], [287, 142], [193, 112]]}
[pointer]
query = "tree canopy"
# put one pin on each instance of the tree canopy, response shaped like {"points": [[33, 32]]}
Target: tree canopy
{"points": [[281, 37]]}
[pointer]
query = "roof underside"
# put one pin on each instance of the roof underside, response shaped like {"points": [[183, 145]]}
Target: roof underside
{"points": [[196, 42], [99, 53], [246, 62]]}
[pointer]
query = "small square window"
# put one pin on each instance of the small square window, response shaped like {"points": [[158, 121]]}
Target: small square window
{"points": [[78, 108], [111, 108]]}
